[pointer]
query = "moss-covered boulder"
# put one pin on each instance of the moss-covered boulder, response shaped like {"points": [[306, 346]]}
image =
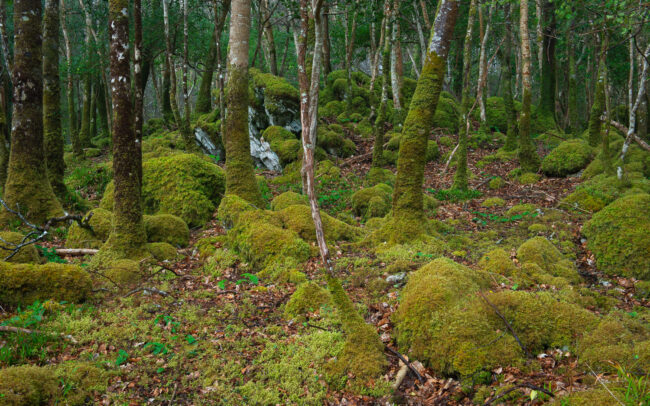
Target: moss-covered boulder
{"points": [[498, 261], [332, 139], [274, 100], [101, 222], [287, 199], [298, 219], [28, 385], [123, 272], [23, 284], [567, 158], [162, 251], [284, 143], [185, 185], [540, 251], [597, 192], [618, 237], [26, 255], [373, 201], [167, 228], [447, 114], [307, 298]]}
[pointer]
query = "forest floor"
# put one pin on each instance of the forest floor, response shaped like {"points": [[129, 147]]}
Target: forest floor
{"points": [[192, 338]]}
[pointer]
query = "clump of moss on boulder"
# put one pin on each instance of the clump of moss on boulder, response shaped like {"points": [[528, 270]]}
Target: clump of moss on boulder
{"points": [[185, 185], [27, 385], [123, 272], [618, 237], [26, 255], [596, 193], [307, 298], [373, 201], [287, 199], [298, 219], [567, 158], [497, 261], [167, 228], [541, 252], [101, 222], [162, 251], [23, 284], [284, 143]]}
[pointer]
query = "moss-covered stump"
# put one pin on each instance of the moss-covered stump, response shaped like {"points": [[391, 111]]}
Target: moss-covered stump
{"points": [[23, 284], [309, 297], [618, 237], [567, 158], [101, 222], [167, 228], [185, 185], [373, 201], [298, 219], [287, 199], [162, 251], [26, 255]]}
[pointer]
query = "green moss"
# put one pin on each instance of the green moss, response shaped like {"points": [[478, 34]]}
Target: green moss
{"points": [[493, 202], [284, 143], [433, 153], [498, 261], [123, 272], [373, 201], [23, 284], [379, 175], [298, 219], [28, 385], [162, 251], [309, 297], [82, 381], [26, 255], [332, 109], [327, 172], [334, 142], [541, 252], [446, 141], [617, 235], [528, 178], [447, 114], [496, 183], [287, 199], [277, 90], [537, 228], [521, 209], [167, 228], [101, 221], [601, 190], [569, 157]]}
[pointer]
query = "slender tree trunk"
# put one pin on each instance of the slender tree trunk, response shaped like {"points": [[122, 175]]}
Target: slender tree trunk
{"points": [[269, 39], [460, 177], [4, 40], [380, 122], [540, 34], [395, 55], [186, 96], [528, 158], [53, 137], [482, 76], [425, 15], [572, 104], [378, 54], [102, 114], [138, 86], [597, 108], [28, 188], [350, 36], [548, 80], [4, 136], [408, 212], [72, 109], [240, 177], [506, 74], [127, 238]]}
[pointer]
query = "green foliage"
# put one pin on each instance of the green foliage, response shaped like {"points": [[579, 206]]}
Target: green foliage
{"points": [[89, 179], [309, 297], [455, 195], [22, 347]]}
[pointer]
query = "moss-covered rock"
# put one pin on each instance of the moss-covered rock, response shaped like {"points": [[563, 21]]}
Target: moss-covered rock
{"points": [[540, 251], [298, 219], [162, 251], [599, 191], [373, 201], [447, 114], [287, 199], [23, 284], [493, 202], [101, 222], [284, 143], [123, 272], [379, 175], [83, 380], [185, 185], [308, 297], [618, 237], [26, 255], [167, 228], [528, 178], [569, 157], [332, 140], [28, 385], [496, 183], [433, 153], [498, 261], [327, 172]]}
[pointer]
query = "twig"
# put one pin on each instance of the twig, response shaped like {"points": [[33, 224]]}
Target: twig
{"points": [[518, 386], [408, 364], [399, 378], [603, 383], [10, 329], [315, 326], [451, 156], [154, 290], [512, 330]]}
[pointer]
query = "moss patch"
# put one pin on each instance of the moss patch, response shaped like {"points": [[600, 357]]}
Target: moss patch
{"points": [[287, 199], [309, 297], [101, 221], [167, 228], [373, 201], [26, 255], [569, 157]]}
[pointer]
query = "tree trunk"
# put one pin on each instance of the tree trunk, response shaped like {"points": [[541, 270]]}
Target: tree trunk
{"points": [[380, 122], [4, 136], [72, 109], [186, 96], [4, 40], [240, 177], [378, 54], [482, 76], [528, 158], [572, 104], [350, 36], [460, 177], [127, 238], [28, 188], [395, 55], [327, 47], [506, 74], [138, 86], [269, 39], [53, 137], [408, 212], [84, 131], [548, 81], [598, 106]]}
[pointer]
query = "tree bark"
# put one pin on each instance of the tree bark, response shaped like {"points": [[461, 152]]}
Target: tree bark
{"points": [[395, 55], [548, 79], [528, 158], [138, 86], [240, 177], [127, 238], [53, 137], [408, 208], [72, 109], [269, 38], [598, 106], [482, 76], [506, 74], [380, 122], [572, 104], [28, 188]]}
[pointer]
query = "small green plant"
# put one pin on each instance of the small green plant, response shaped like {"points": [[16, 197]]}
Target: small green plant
{"points": [[122, 357], [455, 195], [21, 346], [483, 218], [250, 278], [51, 255], [167, 320], [157, 348], [636, 388], [87, 178]]}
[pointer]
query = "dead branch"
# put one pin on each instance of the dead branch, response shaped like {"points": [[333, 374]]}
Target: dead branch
{"points": [[145, 289], [408, 364], [512, 330], [9, 329], [76, 252], [518, 386], [620, 127]]}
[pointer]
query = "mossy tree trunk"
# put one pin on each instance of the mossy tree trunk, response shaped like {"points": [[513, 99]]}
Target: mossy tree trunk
{"points": [[4, 137], [598, 106], [572, 102], [77, 149], [528, 158], [546, 108], [102, 113], [408, 196], [380, 122], [350, 37], [204, 98], [269, 39], [482, 76], [84, 130], [52, 100], [395, 66], [240, 175], [28, 187], [327, 46], [186, 96], [127, 238], [508, 102], [377, 57], [138, 88], [460, 177]]}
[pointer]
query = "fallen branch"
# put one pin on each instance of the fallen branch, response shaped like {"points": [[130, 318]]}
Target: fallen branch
{"points": [[408, 364], [144, 289], [518, 386], [399, 378], [9, 329], [620, 127], [512, 330], [76, 252], [604, 386]]}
